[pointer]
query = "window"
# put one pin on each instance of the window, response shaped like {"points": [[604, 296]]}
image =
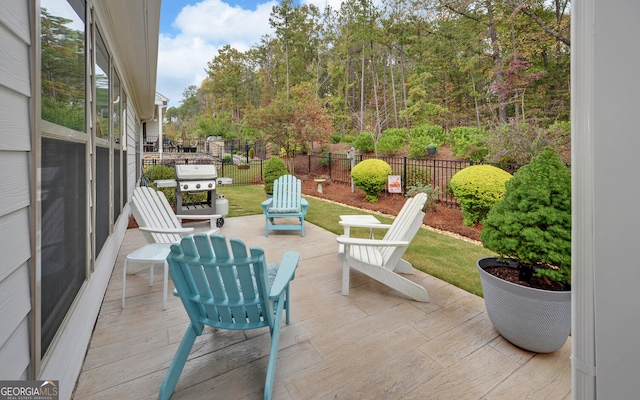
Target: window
{"points": [[64, 236], [102, 88], [63, 63], [117, 96], [103, 162], [63, 161]]}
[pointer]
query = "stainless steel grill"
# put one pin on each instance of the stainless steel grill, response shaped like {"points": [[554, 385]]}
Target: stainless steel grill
{"points": [[196, 179]]}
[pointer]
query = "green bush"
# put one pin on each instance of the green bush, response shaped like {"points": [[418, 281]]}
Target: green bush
{"points": [[402, 133], [371, 176], [274, 168], [521, 142], [335, 138], [364, 143], [435, 132], [469, 142], [348, 138], [418, 146], [478, 188], [532, 223], [390, 145], [432, 194], [158, 172]]}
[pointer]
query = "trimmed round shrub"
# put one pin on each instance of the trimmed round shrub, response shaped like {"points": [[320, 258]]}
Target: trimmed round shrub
{"points": [[478, 188], [364, 143], [532, 223], [274, 168], [371, 176]]}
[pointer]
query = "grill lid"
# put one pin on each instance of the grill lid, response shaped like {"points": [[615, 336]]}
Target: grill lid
{"points": [[196, 172]]}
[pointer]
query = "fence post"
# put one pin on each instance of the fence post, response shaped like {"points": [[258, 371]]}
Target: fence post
{"points": [[329, 159], [351, 155], [404, 173]]}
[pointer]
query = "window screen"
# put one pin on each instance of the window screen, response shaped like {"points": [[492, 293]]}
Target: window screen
{"points": [[64, 231]]}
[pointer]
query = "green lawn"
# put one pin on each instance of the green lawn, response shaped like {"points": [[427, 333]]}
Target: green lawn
{"points": [[439, 255]]}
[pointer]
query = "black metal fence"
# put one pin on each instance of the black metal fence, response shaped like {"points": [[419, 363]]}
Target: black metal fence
{"points": [[337, 168], [428, 171]]}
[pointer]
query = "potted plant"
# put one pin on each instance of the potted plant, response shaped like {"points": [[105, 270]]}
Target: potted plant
{"points": [[432, 148], [527, 289], [274, 168]]}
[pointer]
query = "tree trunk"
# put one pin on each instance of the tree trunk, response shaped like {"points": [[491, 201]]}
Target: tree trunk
{"points": [[393, 91], [497, 61], [404, 89], [362, 94]]}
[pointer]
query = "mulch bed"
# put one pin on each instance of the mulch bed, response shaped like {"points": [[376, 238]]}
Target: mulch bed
{"points": [[442, 218]]}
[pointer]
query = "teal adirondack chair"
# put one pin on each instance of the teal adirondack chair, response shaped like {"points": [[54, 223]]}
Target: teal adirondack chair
{"points": [[225, 291], [287, 202]]}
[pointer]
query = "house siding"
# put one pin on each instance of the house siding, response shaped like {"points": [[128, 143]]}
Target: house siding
{"points": [[15, 245], [19, 129]]}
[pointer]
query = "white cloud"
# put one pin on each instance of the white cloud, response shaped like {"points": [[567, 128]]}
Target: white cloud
{"points": [[203, 28]]}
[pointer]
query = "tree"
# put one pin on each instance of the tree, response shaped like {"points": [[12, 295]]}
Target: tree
{"points": [[227, 77], [292, 124]]}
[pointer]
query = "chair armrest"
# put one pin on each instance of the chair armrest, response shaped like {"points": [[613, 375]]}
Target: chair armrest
{"points": [[199, 216], [265, 205], [364, 225], [304, 204], [371, 242], [181, 231], [286, 272]]}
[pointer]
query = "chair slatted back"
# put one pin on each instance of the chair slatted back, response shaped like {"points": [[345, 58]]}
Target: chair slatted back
{"points": [[404, 227], [287, 192], [151, 209], [221, 287]]}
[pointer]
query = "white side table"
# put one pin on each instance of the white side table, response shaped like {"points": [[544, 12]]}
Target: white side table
{"points": [[154, 253]]}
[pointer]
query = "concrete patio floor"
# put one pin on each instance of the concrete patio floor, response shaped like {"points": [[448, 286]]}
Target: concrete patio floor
{"points": [[373, 344]]}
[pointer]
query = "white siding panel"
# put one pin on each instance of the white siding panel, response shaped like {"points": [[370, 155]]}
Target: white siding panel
{"points": [[14, 120], [15, 302], [14, 242], [16, 349], [14, 62], [15, 15], [14, 181]]}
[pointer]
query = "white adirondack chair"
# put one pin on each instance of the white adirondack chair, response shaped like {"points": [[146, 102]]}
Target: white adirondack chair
{"points": [[157, 220], [382, 259], [161, 227]]}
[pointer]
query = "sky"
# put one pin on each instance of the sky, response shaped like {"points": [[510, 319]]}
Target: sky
{"points": [[192, 31]]}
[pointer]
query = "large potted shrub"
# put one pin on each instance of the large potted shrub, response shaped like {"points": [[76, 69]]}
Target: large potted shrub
{"points": [[274, 168], [527, 288]]}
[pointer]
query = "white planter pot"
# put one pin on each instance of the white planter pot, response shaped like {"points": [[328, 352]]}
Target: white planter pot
{"points": [[533, 319]]}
